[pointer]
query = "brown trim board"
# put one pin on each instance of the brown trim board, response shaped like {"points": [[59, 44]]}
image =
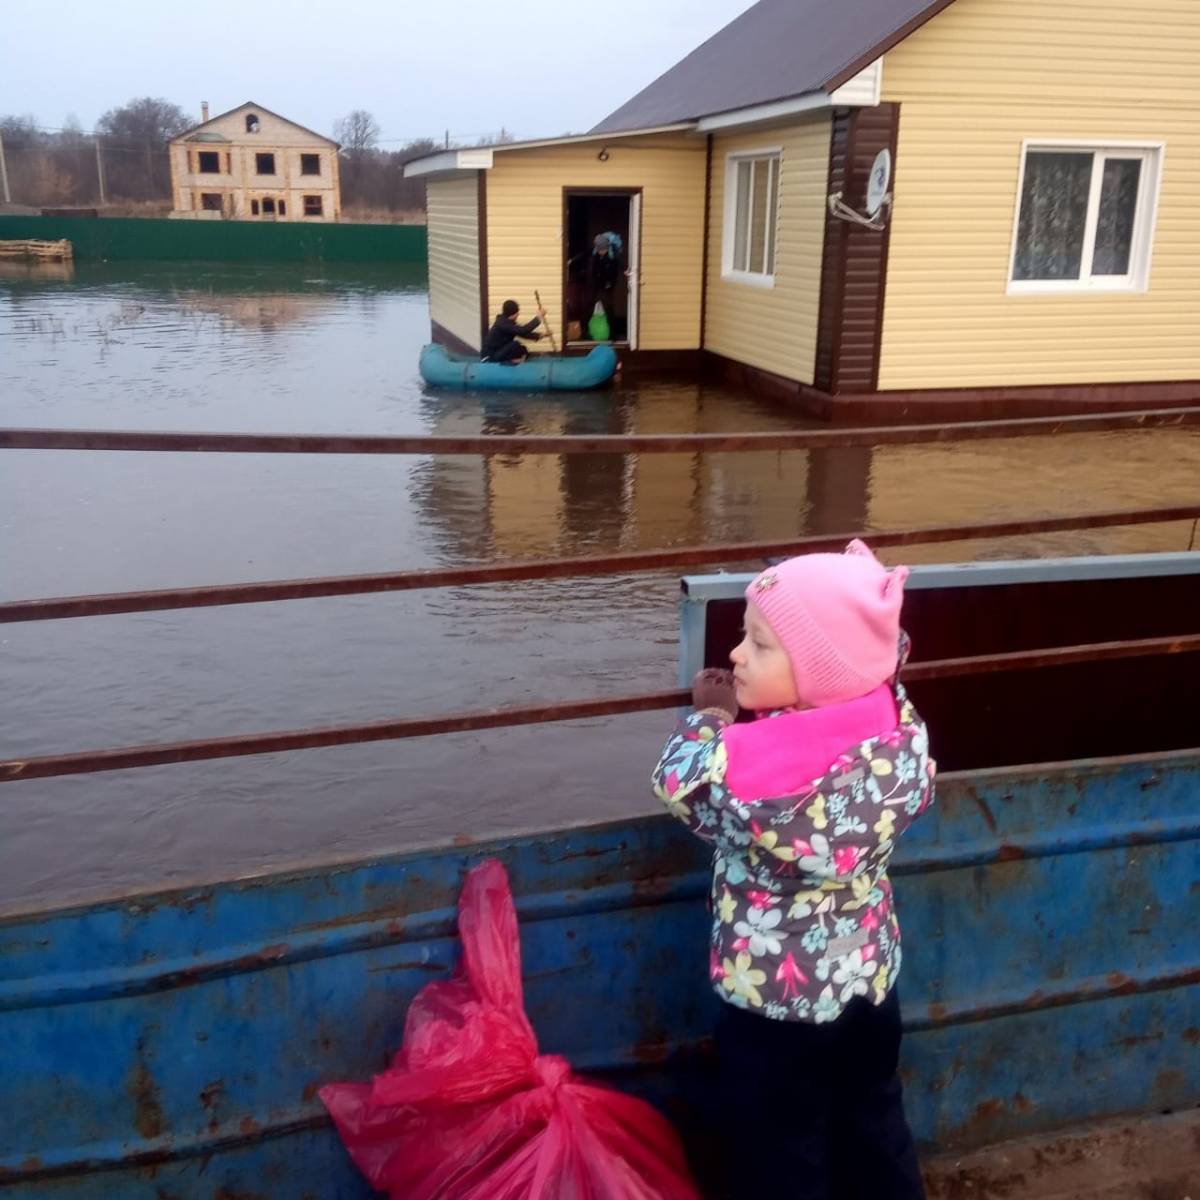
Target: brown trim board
{"points": [[854, 262], [485, 312], [441, 336], [954, 404], [833, 257], [708, 163]]}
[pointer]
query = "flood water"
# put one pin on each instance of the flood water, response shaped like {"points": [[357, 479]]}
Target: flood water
{"points": [[322, 349]]}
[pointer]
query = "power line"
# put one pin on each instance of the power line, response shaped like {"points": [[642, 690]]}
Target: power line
{"points": [[437, 137]]}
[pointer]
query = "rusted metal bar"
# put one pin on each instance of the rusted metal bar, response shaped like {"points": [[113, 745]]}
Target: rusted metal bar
{"points": [[164, 1150], [127, 757], [58, 607], [641, 443], [1109, 986]]}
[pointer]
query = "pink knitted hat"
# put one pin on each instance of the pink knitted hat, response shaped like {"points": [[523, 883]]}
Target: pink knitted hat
{"points": [[838, 618]]}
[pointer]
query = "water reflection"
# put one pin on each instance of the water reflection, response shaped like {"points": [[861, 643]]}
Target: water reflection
{"points": [[525, 506], [36, 272], [520, 506], [323, 349]]}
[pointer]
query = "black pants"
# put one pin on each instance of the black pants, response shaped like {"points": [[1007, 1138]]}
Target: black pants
{"points": [[816, 1112], [510, 352]]}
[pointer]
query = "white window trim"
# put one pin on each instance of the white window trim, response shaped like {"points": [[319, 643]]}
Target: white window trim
{"points": [[752, 278], [1145, 224]]}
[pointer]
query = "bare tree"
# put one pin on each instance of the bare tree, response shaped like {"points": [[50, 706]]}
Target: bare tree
{"points": [[145, 120], [358, 132], [20, 132], [135, 144]]}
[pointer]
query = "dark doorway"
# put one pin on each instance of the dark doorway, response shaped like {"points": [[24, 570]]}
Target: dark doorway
{"points": [[589, 214]]}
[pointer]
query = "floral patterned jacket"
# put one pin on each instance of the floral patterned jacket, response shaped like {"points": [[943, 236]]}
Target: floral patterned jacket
{"points": [[803, 919]]}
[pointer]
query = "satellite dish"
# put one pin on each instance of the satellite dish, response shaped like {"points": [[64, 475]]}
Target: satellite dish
{"points": [[879, 181]]}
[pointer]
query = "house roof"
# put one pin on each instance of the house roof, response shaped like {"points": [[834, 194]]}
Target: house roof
{"points": [[776, 50], [479, 158], [191, 133]]}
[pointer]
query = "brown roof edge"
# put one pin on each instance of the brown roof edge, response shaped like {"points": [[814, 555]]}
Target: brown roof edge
{"points": [[882, 47], [261, 108]]}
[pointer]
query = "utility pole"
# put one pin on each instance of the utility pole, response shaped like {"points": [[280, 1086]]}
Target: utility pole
{"points": [[100, 171], [4, 175], [447, 139]]}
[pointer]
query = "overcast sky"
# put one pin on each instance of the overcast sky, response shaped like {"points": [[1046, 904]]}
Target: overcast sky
{"points": [[465, 65]]}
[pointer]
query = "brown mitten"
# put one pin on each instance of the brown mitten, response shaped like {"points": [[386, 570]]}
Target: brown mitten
{"points": [[713, 692]]}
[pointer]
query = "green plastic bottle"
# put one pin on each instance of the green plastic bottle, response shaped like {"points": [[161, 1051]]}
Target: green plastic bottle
{"points": [[598, 329]]}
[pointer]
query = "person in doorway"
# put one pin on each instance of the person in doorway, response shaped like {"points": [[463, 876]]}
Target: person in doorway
{"points": [[601, 273], [501, 344], [803, 808]]}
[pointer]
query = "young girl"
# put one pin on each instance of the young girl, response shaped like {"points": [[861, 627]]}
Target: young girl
{"points": [[803, 808]]}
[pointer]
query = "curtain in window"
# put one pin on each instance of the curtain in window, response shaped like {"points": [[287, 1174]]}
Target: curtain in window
{"points": [[1114, 221], [1054, 205]]}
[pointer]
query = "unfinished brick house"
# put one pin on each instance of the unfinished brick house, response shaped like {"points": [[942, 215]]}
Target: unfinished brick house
{"points": [[250, 164]]}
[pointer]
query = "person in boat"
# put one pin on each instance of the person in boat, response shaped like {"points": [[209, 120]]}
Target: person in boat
{"points": [[501, 344], [803, 808]]}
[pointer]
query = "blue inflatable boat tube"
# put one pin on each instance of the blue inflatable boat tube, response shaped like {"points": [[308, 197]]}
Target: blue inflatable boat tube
{"points": [[539, 372]]}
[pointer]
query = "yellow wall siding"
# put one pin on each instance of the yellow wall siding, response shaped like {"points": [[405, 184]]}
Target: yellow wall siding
{"points": [[525, 228], [774, 329], [973, 84], [453, 208]]}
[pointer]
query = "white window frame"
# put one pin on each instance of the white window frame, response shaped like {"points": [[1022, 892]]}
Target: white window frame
{"points": [[732, 160], [1145, 221]]}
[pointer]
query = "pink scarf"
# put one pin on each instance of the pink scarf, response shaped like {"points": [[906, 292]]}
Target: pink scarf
{"points": [[786, 754]]}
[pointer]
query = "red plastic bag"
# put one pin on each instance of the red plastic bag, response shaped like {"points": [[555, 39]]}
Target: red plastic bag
{"points": [[469, 1110]]}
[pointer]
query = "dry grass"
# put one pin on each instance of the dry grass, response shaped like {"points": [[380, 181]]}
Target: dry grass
{"points": [[136, 208], [360, 214]]}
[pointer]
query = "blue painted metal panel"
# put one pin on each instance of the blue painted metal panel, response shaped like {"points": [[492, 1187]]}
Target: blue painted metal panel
{"points": [[540, 372], [170, 1045]]}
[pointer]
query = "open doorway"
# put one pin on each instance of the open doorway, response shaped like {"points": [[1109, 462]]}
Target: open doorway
{"points": [[588, 214]]}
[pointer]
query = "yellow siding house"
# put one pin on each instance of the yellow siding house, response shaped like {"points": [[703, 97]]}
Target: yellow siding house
{"points": [[873, 208]]}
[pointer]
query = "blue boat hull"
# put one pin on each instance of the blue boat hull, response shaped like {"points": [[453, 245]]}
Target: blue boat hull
{"points": [[170, 1045], [539, 373]]}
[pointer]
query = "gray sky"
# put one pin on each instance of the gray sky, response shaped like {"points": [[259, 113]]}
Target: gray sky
{"points": [[466, 65]]}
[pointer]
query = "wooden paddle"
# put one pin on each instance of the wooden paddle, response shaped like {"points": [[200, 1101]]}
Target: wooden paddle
{"points": [[542, 313]]}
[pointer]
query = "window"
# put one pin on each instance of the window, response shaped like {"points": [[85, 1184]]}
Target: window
{"points": [[1085, 218], [251, 122], [210, 162], [210, 201], [283, 208], [312, 206], [254, 208], [264, 164], [310, 164], [751, 216], [268, 206]]}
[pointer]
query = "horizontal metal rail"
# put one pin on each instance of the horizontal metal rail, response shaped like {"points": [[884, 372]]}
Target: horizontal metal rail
{"points": [[620, 443], [127, 757], [59, 607]]}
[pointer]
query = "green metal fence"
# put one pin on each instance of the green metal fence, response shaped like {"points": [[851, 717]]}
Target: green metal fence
{"points": [[116, 238]]}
